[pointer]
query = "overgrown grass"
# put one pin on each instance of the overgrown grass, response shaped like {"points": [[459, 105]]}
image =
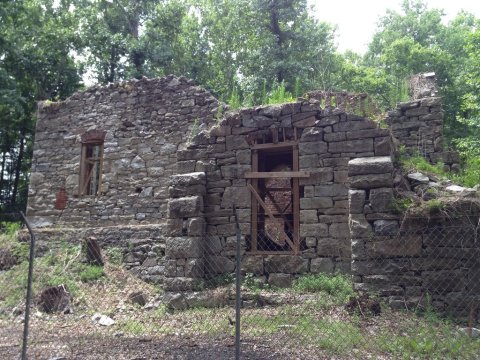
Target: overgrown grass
{"points": [[468, 176], [61, 265], [419, 163], [421, 338], [339, 286], [278, 94], [470, 173]]}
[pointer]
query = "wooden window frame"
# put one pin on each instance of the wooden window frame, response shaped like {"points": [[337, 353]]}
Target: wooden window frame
{"points": [[90, 140]]}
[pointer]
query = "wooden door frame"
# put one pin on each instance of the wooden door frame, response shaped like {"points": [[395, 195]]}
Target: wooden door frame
{"points": [[253, 180]]}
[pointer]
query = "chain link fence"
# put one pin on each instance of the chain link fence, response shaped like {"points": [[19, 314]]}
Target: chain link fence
{"points": [[410, 294]]}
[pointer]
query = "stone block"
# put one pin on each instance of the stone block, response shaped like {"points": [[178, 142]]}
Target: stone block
{"points": [[183, 247], [443, 281], [328, 120], [189, 179], [303, 115], [336, 136], [280, 280], [191, 154], [313, 147], [351, 146], [288, 264], [359, 226], [196, 226], [318, 176], [234, 171], [179, 191], [422, 110], [316, 203], [190, 206], [315, 230], [234, 142], [383, 146], [355, 125], [272, 111], [370, 165], [396, 246], [239, 196], [368, 133], [340, 176], [244, 157], [371, 181], [321, 265], [252, 265], [220, 130], [305, 123], [308, 216], [356, 201], [309, 161], [381, 199], [194, 268], [328, 247], [219, 265], [339, 230], [312, 134], [358, 249], [311, 242], [385, 227], [181, 284]]}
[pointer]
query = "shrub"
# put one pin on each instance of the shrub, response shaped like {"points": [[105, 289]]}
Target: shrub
{"points": [[339, 286]]}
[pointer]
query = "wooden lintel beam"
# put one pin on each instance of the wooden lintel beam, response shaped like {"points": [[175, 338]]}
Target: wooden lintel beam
{"points": [[285, 144], [276, 174]]}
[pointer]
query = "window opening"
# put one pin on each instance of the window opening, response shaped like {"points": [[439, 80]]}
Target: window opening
{"points": [[91, 163]]}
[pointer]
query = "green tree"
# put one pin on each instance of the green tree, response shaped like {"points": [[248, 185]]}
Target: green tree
{"points": [[36, 63], [288, 46]]}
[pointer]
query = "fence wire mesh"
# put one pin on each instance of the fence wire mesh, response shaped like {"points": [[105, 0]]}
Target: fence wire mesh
{"points": [[410, 294]]}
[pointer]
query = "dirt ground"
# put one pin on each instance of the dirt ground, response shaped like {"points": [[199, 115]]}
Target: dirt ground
{"points": [[65, 346]]}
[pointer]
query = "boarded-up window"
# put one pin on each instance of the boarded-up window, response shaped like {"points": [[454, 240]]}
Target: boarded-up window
{"points": [[91, 162], [274, 184]]}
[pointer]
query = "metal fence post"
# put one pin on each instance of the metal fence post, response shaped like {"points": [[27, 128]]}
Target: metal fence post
{"points": [[28, 298], [237, 286]]}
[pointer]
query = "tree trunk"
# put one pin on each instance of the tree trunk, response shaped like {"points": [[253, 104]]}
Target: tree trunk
{"points": [[280, 39], [113, 65], [18, 166], [2, 173]]}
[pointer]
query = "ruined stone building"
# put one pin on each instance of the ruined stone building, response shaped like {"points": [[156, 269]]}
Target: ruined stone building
{"points": [[151, 166]]}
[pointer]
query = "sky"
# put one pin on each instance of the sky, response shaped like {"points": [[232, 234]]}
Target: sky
{"points": [[356, 19]]}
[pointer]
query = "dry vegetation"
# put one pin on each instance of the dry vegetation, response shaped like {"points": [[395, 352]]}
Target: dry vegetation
{"points": [[309, 320]]}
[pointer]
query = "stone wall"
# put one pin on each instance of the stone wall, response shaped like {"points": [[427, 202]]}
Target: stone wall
{"points": [[146, 123], [327, 140], [172, 175], [417, 125], [141, 246], [410, 261]]}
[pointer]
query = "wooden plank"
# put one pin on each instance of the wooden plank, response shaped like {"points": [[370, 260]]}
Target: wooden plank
{"points": [[254, 183], [271, 252], [277, 146], [270, 215], [296, 202], [276, 174], [279, 209], [275, 135], [83, 170]]}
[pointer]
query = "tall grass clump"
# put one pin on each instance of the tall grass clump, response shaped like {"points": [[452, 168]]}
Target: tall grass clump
{"points": [[339, 286]]}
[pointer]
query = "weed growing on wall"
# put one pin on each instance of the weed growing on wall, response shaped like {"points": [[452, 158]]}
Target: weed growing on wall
{"points": [[414, 163], [279, 94]]}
